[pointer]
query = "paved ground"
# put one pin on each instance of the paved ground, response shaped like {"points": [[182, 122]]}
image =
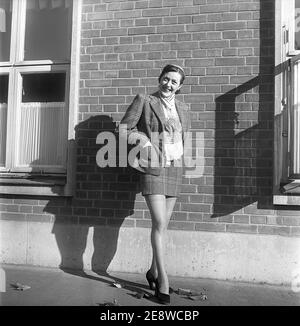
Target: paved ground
{"points": [[53, 287]]}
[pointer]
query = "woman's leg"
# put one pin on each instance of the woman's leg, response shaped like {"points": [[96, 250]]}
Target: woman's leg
{"points": [[161, 210], [170, 203], [157, 207]]}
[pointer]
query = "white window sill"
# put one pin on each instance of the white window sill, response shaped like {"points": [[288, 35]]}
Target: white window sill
{"points": [[286, 200], [289, 194], [34, 185]]}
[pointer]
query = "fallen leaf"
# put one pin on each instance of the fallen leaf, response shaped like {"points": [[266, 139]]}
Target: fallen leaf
{"points": [[113, 303], [147, 295], [184, 291], [117, 285], [201, 297], [20, 287], [139, 295]]}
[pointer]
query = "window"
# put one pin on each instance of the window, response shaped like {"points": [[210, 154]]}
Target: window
{"points": [[39, 60], [290, 14], [287, 104]]}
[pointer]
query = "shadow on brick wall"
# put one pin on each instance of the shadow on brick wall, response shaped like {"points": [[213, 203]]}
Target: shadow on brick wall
{"points": [[86, 226], [244, 130]]}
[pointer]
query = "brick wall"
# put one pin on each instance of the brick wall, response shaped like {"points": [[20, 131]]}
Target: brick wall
{"points": [[227, 50]]}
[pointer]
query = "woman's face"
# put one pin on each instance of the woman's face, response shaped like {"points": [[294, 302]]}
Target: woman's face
{"points": [[169, 83]]}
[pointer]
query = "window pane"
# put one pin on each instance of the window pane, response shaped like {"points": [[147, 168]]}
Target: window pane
{"points": [[295, 121], [5, 29], [43, 126], [44, 87], [48, 30], [3, 116]]}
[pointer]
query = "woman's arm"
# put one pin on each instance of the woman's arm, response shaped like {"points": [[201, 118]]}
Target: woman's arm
{"points": [[128, 125]]}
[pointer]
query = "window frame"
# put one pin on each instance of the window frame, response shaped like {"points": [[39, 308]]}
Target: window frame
{"points": [[289, 23], [14, 67], [14, 115], [284, 54], [5, 71]]}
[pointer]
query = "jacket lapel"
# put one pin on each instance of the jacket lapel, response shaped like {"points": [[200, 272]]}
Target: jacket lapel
{"points": [[157, 108], [182, 115]]}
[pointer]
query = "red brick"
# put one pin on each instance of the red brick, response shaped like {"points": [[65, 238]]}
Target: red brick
{"points": [[99, 16], [127, 23], [275, 230], [25, 209], [121, 222], [230, 26], [291, 220], [127, 14], [210, 227], [201, 208], [244, 43], [199, 2], [200, 27], [126, 5], [226, 219], [7, 216], [214, 80], [156, 12], [230, 62], [113, 32], [124, 82], [175, 225], [200, 62], [214, 17], [243, 219], [199, 19], [143, 223], [41, 218], [179, 216], [155, 21], [213, 44], [141, 22], [196, 217], [241, 228], [141, 4], [244, 6], [141, 30], [169, 20], [213, 8], [185, 19], [295, 231], [170, 29], [192, 10]]}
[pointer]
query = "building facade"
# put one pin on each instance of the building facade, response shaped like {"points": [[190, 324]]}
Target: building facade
{"points": [[238, 216]]}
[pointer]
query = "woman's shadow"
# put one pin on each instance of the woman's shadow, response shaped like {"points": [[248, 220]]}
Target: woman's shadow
{"points": [[87, 225]]}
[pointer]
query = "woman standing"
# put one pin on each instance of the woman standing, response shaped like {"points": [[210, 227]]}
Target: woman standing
{"points": [[148, 116]]}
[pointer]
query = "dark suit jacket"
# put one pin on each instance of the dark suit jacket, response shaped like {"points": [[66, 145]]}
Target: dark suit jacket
{"points": [[145, 116]]}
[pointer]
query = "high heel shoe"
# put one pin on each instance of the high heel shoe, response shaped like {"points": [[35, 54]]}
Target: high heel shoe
{"points": [[151, 280], [162, 297]]}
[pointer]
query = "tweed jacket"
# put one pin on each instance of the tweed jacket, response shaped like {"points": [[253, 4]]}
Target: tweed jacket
{"points": [[145, 117]]}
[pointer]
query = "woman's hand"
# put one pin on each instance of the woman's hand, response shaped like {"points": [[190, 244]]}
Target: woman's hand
{"points": [[134, 137]]}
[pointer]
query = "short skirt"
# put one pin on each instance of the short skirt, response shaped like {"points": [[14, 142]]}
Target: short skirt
{"points": [[168, 183]]}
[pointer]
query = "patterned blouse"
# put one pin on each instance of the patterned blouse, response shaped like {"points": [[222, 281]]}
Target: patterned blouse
{"points": [[172, 137]]}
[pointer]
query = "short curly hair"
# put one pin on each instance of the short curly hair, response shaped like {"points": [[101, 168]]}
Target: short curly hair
{"points": [[174, 68]]}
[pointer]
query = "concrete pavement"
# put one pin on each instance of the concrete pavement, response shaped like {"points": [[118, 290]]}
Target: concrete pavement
{"points": [[54, 287]]}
